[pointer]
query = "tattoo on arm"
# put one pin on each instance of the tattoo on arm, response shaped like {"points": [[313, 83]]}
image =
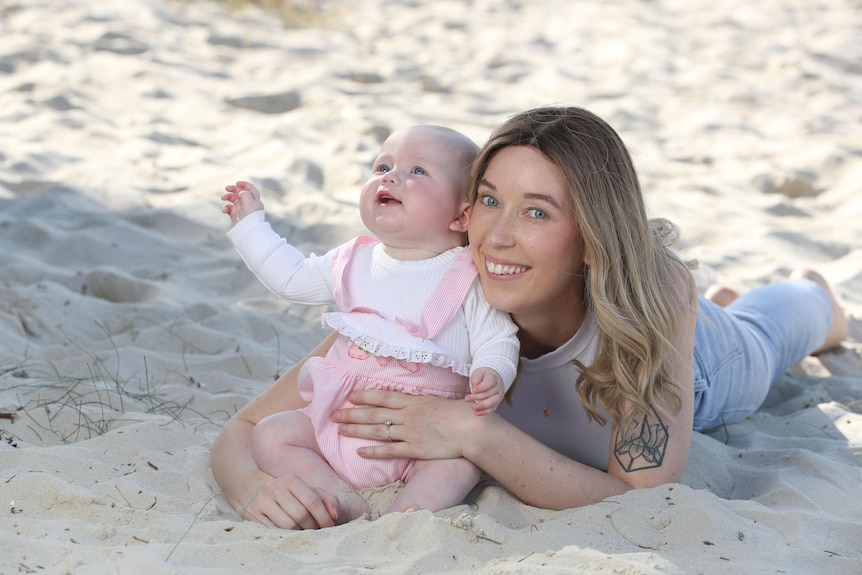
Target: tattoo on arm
{"points": [[641, 444]]}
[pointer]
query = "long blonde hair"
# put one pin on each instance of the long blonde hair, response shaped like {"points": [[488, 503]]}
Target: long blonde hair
{"points": [[632, 283]]}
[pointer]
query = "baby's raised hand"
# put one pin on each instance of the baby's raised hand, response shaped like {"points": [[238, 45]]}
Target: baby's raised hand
{"points": [[486, 390], [242, 199]]}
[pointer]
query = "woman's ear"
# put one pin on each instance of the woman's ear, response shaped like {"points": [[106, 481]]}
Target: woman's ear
{"points": [[459, 224]]}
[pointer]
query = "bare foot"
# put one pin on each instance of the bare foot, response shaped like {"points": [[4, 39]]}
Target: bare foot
{"points": [[839, 330], [720, 295]]}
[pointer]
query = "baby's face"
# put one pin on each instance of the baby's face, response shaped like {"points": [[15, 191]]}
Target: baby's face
{"points": [[414, 192]]}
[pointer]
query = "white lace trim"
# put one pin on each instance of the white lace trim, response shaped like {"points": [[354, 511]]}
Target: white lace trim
{"points": [[410, 348]]}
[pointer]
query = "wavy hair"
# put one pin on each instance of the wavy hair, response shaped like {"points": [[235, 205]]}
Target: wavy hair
{"points": [[633, 281]]}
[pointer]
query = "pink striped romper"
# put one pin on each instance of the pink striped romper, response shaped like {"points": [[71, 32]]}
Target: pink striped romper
{"points": [[375, 353]]}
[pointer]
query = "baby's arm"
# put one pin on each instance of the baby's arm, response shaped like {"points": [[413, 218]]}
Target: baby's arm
{"points": [[486, 390], [494, 350], [242, 199], [283, 269]]}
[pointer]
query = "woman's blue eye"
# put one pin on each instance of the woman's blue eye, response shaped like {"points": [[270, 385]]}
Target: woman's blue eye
{"points": [[489, 201], [538, 214], [418, 171]]}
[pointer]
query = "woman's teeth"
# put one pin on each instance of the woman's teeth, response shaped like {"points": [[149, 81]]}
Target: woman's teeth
{"points": [[502, 270]]}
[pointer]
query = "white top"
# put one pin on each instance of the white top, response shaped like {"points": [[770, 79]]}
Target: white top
{"points": [[478, 336], [548, 383]]}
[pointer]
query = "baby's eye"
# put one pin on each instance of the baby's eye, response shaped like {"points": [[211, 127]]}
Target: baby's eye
{"points": [[382, 168], [489, 201], [417, 171], [538, 214]]}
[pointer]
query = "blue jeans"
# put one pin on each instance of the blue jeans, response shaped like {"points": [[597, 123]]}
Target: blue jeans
{"points": [[741, 350]]}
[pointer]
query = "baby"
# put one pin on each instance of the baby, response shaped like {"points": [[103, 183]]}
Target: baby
{"points": [[411, 317]]}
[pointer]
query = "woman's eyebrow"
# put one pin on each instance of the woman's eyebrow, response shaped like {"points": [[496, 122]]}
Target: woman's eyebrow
{"points": [[487, 184], [543, 197], [529, 195]]}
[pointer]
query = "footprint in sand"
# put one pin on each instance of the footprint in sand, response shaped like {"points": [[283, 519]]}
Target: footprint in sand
{"points": [[120, 44], [789, 186], [269, 103], [115, 286]]}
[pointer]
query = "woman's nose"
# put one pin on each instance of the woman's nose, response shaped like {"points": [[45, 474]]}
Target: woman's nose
{"points": [[501, 231]]}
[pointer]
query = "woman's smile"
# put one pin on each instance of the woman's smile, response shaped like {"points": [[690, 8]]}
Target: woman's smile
{"points": [[503, 269]]}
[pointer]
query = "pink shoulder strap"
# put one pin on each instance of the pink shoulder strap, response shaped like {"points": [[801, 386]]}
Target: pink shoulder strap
{"points": [[341, 261], [449, 296], [440, 308]]}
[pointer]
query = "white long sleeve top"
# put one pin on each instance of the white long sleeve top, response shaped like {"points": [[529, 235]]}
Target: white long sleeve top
{"points": [[478, 336]]}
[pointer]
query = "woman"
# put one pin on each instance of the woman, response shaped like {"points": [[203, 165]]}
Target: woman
{"points": [[621, 359]]}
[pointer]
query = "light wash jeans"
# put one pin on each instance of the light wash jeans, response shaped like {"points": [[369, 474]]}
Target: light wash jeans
{"points": [[741, 350]]}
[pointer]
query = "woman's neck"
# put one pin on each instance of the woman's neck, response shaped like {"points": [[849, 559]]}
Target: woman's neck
{"points": [[539, 336]]}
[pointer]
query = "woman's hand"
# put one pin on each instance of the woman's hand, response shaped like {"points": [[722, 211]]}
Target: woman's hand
{"points": [[289, 503], [434, 428], [255, 495], [425, 427]]}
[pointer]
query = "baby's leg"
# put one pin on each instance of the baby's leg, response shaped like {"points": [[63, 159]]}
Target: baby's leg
{"points": [[284, 444], [436, 484], [277, 440]]}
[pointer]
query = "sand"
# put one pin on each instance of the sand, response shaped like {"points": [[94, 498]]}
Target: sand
{"points": [[130, 330]]}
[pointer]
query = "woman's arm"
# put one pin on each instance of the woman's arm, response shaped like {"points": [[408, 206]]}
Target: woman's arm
{"points": [[654, 451], [554, 480], [251, 492], [436, 428]]}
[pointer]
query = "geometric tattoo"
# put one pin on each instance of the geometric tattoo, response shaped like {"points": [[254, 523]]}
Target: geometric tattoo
{"points": [[641, 444]]}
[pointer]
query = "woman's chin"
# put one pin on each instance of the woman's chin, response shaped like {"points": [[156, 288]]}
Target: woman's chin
{"points": [[499, 296]]}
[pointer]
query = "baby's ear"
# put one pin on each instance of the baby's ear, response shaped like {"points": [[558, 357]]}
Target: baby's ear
{"points": [[459, 224]]}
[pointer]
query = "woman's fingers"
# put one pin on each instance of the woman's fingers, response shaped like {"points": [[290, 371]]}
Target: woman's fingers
{"points": [[381, 398], [303, 514], [261, 508], [423, 427], [380, 432], [385, 451], [374, 406], [304, 504], [289, 503]]}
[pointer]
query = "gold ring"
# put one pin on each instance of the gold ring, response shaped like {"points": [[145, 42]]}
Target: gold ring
{"points": [[388, 424]]}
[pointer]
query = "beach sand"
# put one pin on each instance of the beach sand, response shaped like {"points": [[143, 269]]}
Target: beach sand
{"points": [[130, 330]]}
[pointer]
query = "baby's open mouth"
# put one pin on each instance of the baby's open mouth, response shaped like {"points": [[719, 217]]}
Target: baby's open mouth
{"points": [[384, 198]]}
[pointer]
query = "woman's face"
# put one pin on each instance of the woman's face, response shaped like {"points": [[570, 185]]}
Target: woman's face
{"points": [[525, 239]]}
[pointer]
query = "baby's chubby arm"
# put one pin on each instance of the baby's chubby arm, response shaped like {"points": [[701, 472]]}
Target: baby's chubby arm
{"points": [[486, 390], [242, 199]]}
